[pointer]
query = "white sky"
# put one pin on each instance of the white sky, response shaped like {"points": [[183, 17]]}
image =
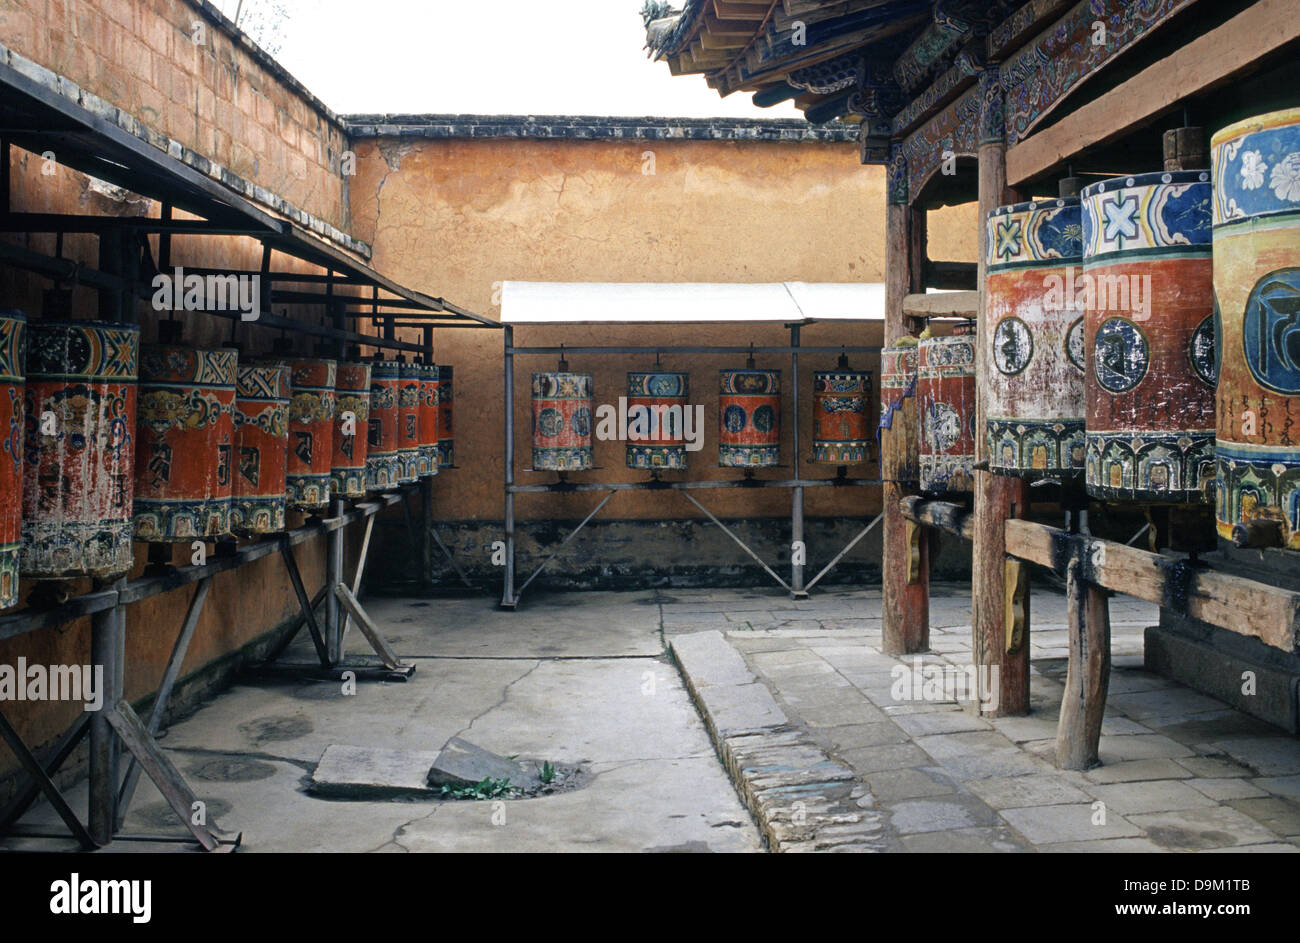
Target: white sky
{"points": [[562, 57]]}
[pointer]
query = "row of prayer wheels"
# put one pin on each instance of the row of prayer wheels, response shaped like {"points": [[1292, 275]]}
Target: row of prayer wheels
{"points": [[107, 442], [1143, 337], [654, 417]]}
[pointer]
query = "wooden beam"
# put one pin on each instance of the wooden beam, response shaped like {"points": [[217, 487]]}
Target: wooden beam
{"points": [[942, 515], [1244, 606], [949, 304], [1209, 61]]}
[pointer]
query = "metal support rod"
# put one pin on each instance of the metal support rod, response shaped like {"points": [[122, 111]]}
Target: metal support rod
{"points": [[446, 552], [851, 544], [105, 627], [334, 576], [170, 676], [508, 596], [681, 349], [743, 546], [368, 629], [554, 553], [799, 548], [356, 580]]}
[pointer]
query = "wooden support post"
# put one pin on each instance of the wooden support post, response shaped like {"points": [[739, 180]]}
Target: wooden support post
{"points": [[906, 600], [1088, 677], [997, 498]]}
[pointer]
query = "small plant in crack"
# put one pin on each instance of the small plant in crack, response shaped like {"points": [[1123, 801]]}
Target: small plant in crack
{"points": [[548, 772], [489, 788]]}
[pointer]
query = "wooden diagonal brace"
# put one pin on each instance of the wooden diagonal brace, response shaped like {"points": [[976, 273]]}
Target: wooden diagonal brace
{"points": [[42, 779], [160, 770], [295, 578], [367, 628]]}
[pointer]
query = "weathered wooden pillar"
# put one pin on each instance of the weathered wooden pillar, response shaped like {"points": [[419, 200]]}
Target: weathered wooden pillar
{"points": [[1001, 657], [1087, 680], [905, 565]]}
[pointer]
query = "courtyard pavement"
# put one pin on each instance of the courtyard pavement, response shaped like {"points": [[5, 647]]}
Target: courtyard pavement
{"points": [[729, 721]]}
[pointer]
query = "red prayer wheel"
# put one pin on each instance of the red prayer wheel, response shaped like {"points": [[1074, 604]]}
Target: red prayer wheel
{"points": [[945, 394], [428, 461], [383, 471], [446, 432], [749, 418], [185, 443], [841, 415], [261, 448], [351, 430], [311, 433], [79, 449], [408, 421], [13, 356]]}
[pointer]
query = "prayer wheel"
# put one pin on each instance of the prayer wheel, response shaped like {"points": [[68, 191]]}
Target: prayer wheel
{"points": [[749, 418], [446, 430], [79, 449], [1148, 297], [945, 401], [408, 421], [13, 357], [428, 462], [185, 443], [383, 471], [311, 433], [841, 415], [656, 411], [1034, 340], [562, 416], [900, 443], [261, 448], [351, 430], [1256, 173]]}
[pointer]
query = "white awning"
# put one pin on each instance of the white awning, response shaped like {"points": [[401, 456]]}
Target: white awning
{"points": [[689, 302]]}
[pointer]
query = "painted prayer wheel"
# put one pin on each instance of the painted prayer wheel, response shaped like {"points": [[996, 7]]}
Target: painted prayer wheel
{"points": [[841, 416], [945, 400], [13, 364], [1257, 287], [900, 443], [428, 461], [185, 444], [1034, 340], [383, 469], [311, 433], [1148, 296], [408, 421], [351, 430], [446, 427], [656, 409], [562, 416], [79, 449], [749, 418], [261, 415]]}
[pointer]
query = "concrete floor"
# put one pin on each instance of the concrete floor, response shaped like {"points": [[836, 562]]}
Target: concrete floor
{"points": [[571, 680], [585, 679]]}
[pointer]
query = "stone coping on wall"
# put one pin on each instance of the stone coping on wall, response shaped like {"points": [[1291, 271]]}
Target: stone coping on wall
{"points": [[127, 122], [578, 127]]}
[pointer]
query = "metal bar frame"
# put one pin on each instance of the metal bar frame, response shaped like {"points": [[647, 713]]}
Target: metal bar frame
{"points": [[796, 587]]}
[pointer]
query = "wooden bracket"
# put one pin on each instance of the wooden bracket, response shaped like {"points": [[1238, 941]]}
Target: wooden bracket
{"points": [[1016, 601]]}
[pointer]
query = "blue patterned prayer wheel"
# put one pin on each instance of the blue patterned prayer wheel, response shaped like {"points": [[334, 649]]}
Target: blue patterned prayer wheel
{"points": [[446, 416], [185, 444], [656, 415], [562, 422], [79, 449], [749, 418]]}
